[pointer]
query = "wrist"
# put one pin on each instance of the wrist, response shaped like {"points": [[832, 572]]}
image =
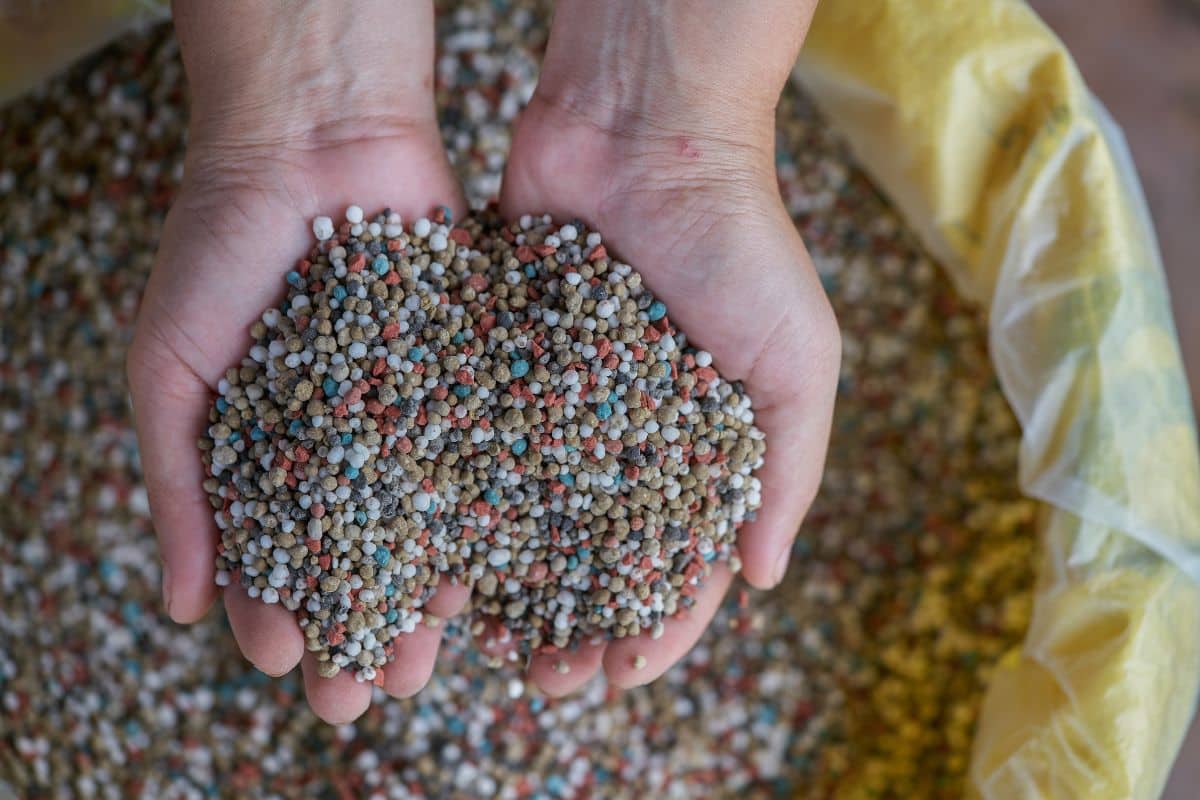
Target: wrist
{"points": [[312, 78], [712, 69]]}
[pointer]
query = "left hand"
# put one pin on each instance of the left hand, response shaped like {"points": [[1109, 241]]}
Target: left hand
{"points": [[682, 186]]}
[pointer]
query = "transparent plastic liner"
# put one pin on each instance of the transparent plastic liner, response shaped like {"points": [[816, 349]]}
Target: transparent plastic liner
{"points": [[972, 118]]}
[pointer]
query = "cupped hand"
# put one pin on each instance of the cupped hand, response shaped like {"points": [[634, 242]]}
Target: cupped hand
{"points": [[293, 116], [242, 218], [696, 209]]}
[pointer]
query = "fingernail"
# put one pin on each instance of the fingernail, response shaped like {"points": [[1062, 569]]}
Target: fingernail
{"points": [[166, 587], [781, 564]]}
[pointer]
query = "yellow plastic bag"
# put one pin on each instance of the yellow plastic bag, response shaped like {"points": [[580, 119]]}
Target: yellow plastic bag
{"points": [[971, 117]]}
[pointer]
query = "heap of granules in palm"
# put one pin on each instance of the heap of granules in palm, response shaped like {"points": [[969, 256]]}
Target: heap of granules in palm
{"points": [[505, 405]]}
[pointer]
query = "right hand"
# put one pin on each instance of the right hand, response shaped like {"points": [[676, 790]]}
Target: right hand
{"points": [[258, 169]]}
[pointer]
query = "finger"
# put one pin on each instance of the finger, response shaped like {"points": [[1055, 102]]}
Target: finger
{"points": [[415, 658], [794, 409], [797, 440], [267, 634], [336, 700], [449, 599], [170, 413], [559, 674], [639, 660]]}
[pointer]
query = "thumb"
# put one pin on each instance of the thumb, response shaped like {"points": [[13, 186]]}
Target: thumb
{"points": [[170, 410]]}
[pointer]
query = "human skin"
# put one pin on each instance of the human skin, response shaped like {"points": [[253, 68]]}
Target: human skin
{"points": [[664, 144], [655, 123]]}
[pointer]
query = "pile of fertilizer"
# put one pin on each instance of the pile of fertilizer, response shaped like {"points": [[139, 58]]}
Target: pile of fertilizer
{"points": [[505, 405], [860, 676]]}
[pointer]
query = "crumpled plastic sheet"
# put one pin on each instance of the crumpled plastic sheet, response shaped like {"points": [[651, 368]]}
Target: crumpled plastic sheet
{"points": [[972, 118]]}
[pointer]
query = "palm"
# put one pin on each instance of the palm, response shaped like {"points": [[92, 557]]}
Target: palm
{"points": [[229, 239], [705, 226]]}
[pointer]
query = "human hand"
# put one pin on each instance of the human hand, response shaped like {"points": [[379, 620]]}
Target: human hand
{"points": [[652, 126], [319, 113]]}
